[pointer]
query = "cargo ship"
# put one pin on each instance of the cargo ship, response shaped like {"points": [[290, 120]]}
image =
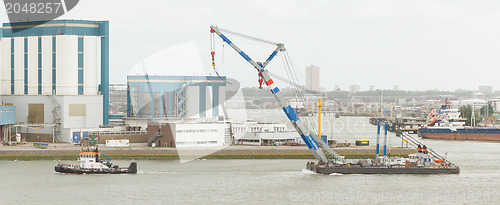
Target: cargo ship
{"points": [[448, 125], [90, 163]]}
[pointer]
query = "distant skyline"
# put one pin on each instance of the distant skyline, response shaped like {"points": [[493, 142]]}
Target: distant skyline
{"points": [[418, 45]]}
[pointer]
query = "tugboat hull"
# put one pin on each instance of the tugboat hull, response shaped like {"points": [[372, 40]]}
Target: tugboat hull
{"points": [[71, 169], [381, 170]]}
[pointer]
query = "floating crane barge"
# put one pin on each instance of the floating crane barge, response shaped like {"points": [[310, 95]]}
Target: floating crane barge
{"points": [[424, 162]]}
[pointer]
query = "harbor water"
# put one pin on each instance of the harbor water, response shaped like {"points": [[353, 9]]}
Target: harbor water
{"points": [[262, 181]]}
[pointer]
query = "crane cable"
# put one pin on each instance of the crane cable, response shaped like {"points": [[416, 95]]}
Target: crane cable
{"points": [[212, 52]]}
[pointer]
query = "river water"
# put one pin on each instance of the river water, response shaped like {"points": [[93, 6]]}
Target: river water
{"points": [[261, 181]]}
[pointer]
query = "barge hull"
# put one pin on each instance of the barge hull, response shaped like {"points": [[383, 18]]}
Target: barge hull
{"points": [[381, 170], [461, 136]]}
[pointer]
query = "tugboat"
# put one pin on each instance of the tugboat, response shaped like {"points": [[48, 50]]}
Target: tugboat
{"points": [[90, 163]]}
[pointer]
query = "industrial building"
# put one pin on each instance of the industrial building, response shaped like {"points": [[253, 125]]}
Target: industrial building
{"points": [[188, 108], [174, 97], [50, 74]]}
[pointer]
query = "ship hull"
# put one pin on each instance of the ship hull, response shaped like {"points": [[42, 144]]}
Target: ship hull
{"points": [[71, 169], [381, 170], [480, 134]]}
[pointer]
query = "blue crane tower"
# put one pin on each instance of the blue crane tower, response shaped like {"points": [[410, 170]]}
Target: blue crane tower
{"points": [[311, 139]]}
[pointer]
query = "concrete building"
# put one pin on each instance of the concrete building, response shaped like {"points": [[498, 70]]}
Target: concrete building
{"points": [[175, 97], [354, 88], [49, 72], [486, 89], [312, 78]]}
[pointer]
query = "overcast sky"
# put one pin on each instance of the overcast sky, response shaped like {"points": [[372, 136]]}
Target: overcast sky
{"points": [[416, 44]]}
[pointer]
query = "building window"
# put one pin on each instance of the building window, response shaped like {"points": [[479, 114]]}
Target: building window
{"points": [[80, 65], [39, 65], [12, 66], [25, 65], [53, 65]]}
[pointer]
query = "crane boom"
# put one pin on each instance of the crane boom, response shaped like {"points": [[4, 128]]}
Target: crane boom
{"points": [[310, 139]]}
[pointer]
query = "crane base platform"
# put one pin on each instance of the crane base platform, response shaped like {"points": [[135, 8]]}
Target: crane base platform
{"points": [[358, 169]]}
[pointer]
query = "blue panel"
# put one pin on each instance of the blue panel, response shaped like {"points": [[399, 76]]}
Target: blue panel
{"points": [[225, 39], [25, 66], [104, 33], [12, 64], [76, 137], [215, 101], [39, 44], [272, 56], [129, 102], [275, 90], [39, 65], [203, 101], [80, 60], [26, 61], [8, 116], [245, 56], [25, 81], [313, 142], [306, 141], [378, 149], [80, 44], [53, 44], [291, 113], [40, 81], [80, 89], [54, 65], [53, 81], [39, 60], [25, 44], [12, 81]]}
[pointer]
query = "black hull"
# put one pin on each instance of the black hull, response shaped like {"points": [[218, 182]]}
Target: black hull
{"points": [[381, 170], [70, 169]]}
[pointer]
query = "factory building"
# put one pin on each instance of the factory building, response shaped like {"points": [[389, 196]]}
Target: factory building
{"points": [[178, 111], [174, 97], [50, 73]]}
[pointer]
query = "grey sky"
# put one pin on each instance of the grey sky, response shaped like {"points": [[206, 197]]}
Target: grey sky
{"points": [[417, 45]]}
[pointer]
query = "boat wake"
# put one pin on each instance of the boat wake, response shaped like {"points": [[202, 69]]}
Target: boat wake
{"points": [[307, 171]]}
